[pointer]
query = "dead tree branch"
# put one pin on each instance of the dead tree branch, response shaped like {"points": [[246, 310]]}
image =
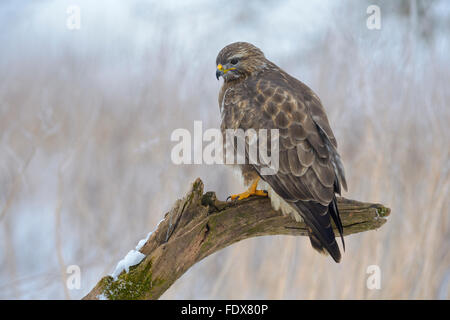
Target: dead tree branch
{"points": [[199, 225]]}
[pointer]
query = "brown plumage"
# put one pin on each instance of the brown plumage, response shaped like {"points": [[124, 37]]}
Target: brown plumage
{"points": [[257, 94]]}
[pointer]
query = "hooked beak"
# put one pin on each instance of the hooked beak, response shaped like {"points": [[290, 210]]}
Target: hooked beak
{"points": [[219, 74], [219, 71]]}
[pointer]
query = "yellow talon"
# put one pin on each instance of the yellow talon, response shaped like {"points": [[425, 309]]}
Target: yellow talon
{"points": [[250, 192]]}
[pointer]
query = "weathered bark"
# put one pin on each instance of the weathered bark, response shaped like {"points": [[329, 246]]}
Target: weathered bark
{"points": [[199, 225]]}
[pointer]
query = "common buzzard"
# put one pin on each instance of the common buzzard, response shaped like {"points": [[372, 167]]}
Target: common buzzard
{"points": [[257, 94]]}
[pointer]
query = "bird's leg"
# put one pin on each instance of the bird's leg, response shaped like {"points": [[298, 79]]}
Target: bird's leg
{"points": [[250, 192]]}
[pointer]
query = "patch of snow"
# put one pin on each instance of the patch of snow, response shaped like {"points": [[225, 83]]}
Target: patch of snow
{"points": [[143, 241], [132, 258]]}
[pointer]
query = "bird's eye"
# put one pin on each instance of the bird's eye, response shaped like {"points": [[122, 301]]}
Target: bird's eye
{"points": [[234, 61]]}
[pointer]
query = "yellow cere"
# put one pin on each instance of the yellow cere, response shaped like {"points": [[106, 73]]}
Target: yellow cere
{"points": [[220, 67]]}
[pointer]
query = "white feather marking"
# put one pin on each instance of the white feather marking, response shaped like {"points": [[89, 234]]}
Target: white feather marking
{"points": [[237, 172], [278, 202]]}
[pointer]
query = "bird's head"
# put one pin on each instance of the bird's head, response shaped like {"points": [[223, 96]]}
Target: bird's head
{"points": [[239, 60]]}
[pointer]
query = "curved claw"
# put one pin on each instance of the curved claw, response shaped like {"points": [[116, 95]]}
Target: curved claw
{"points": [[250, 192]]}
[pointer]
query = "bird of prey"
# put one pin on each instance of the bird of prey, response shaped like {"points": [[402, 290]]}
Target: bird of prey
{"points": [[257, 94]]}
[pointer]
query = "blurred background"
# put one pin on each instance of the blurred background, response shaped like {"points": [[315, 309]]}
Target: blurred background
{"points": [[86, 116]]}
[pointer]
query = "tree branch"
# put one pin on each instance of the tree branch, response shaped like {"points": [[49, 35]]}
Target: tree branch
{"points": [[199, 225]]}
